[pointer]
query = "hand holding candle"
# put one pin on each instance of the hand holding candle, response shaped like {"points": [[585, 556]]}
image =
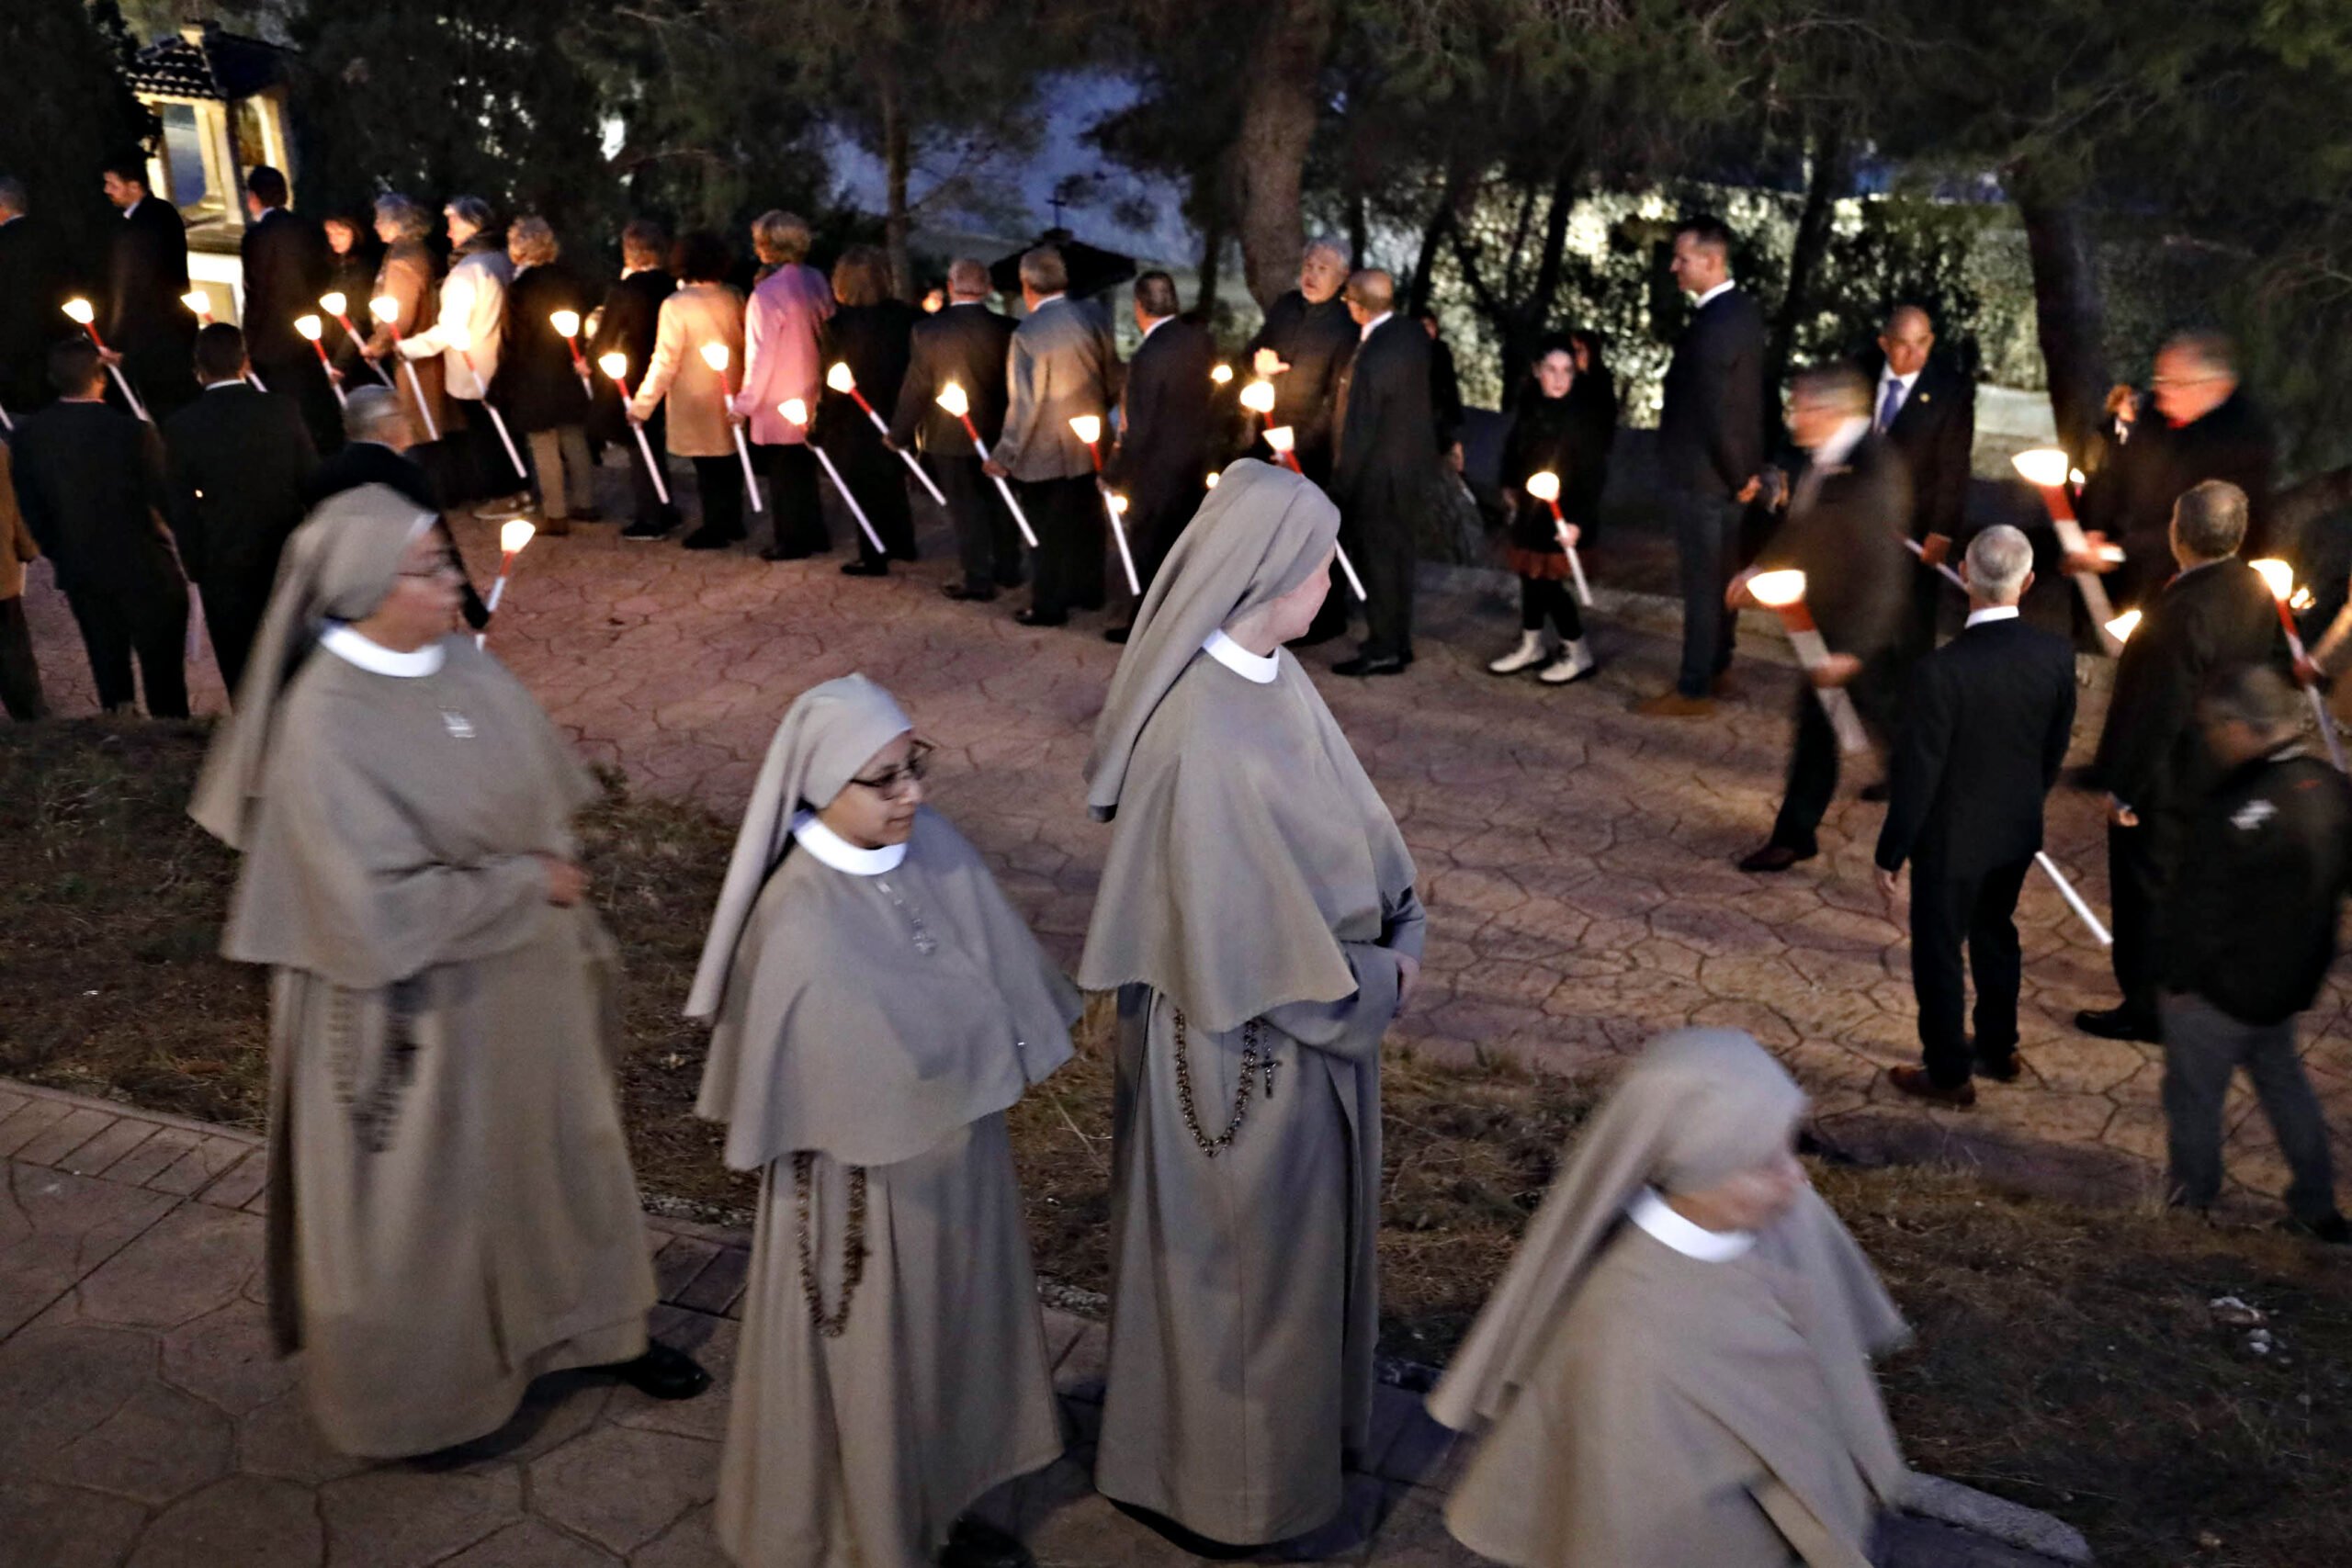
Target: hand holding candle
{"points": [[2047, 471], [387, 309], [1546, 487], [1784, 591], [512, 538], [79, 312], [959, 407], [2280, 578], [314, 331], [567, 327], [717, 357], [615, 364], [795, 413], [460, 337], [841, 379]]}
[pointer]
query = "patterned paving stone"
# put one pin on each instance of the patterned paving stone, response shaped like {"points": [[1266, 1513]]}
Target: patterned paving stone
{"points": [[61, 1526], [401, 1516], [622, 1487], [226, 1359], [191, 1262], [56, 1227], [244, 1520], [532, 1545], [158, 1445]]}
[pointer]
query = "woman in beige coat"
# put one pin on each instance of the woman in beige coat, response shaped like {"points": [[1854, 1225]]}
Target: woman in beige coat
{"points": [[704, 310], [411, 280]]}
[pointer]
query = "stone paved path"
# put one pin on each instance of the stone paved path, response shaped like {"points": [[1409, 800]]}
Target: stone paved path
{"points": [[148, 1423], [1575, 859]]}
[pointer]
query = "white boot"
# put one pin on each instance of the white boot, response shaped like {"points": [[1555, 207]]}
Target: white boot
{"points": [[1576, 662], [1533, 649]]}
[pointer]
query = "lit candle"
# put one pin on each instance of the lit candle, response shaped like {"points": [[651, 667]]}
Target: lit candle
{"points": [[1546, 487], [1210, 483], [615, 364], [460, 337], [567, 327], [313, 328], [80, 312], [198, 301], [1279, 438], [951, 397], [1221, 374], [1088, 429], [1784, 591], [1258, 397], [512, 538], [795, 413], [716, 357], [2280, 578], [2047, 471], [1114, 505], [2122, 627], [387, 309], [841, 380]]}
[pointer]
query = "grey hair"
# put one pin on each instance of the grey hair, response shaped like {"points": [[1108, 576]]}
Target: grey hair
{"points": [[412, 222], [1836, 383], [2212, 351], [1340, 256], [472, 208], [2210, 518], [372, 412], [968, 279], [12, 193], [535, 239], [782, 235], [1999, 561], [1044, 270]]}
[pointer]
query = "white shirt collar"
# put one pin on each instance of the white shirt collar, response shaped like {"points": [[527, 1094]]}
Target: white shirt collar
{"points": [[833, 850], [1652, 1214], [1907, 381], [1725, 286], [1372, 326], [134, 207], [1841, 443], [1261, 668], [353, 647], [1156, 323], [218, 386], [1044, 300], [1990, 613]]}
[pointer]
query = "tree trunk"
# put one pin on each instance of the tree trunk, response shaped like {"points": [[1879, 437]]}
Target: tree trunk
{"points": [[1277, 123], [1831, 173], [1534, 315], [1358, 230], [2068, 313], [1211, 262], [896, 157], [1449, 200]]}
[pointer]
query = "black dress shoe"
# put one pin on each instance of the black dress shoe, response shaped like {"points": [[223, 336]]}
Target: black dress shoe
{"points": [[1116, 633], [866, 569], [1775, 857], [1877, 794], [2116, 1024], [964, 592], [708, 539], [2331, 1229], [781, 552], [662, 1372], [1032, 618], [976, 1543], [1363, 664]]}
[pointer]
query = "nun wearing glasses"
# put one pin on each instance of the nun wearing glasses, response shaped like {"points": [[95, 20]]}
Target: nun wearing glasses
{"points": [[877, 1005]]}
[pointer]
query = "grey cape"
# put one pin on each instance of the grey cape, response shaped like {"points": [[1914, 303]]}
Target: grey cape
{"points": [[870, 1031], [451, 1208], [1649, 1409], [1255, 899]]}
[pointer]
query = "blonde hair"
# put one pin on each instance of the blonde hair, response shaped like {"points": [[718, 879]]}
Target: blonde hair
{"points": [[781, 237], [531, 242]]}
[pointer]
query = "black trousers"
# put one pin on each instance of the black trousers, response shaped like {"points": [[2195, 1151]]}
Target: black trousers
{"points": [[1979, 908], [2203, 1047], [1383, 553], [162, 371], [720, 483], [1550, 599], [2140, 865], [151, 625], [1706, 538], [797, 513], [1068, 517], [1814, 759], [19, 674], [878, 480], [304, 379], [645, 504], [233, 614], [987, 543], [482, 470]]}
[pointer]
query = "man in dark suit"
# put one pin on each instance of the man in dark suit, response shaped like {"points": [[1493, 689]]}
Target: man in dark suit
{"points": [[377, 437], [30, 297], [1382, 470], [627, 324], [965, 344], [149, 332], [286, 262], [1848, 499], [1711, 450], [2215, 615], [238, 461], [1303, 348], [1986, 723], [91, 483], [1163, 455], [2203, 426], [1927, 412]]}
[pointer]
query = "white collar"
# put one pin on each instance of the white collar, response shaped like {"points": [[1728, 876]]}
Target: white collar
{"points": [[218, 386], [353, 647], [134, 207], [1156, 322], [1372, 326], [1261, 668], [1653, 1215], [1841, 443], [833, 850], [1990, 613], [1045, 302], [951, 304], [1905, 381], [1725, 286]]}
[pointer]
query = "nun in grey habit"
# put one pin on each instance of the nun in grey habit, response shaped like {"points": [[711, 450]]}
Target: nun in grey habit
{"points": [[877, 1007], [1258, 921], [1675, 1368], [451, 1209]]}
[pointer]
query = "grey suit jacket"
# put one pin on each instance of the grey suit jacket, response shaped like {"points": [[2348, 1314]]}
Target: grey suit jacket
{"points": [[1062, 364]]}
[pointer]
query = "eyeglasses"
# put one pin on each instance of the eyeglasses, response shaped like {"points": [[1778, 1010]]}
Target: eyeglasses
{"points": [[444, 562], [2183, 380], [892, 783]]}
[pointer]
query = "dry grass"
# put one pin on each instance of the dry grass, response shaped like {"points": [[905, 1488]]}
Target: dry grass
{"points": [[2066, 1357]]}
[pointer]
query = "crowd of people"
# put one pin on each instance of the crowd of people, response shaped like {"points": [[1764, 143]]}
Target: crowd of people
{"points": [[1676, 1366]]}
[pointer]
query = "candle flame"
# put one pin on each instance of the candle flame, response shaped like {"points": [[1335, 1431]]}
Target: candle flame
{"points": [[2075, 476], [839, 378], [1086, 427], [81, 313], [2302, 601], [514, 536], [1258, 397], [1220, 374], [952, 398], [1211, 483], [1118, 504], [614, 364], [715, 354], [794, 410], [198, 301], [310, 327], [2123, 625], [333, 303], [384, 308], [2044, 466], [1279, 438], [1777, 590], [565, 323], [2278, 575], [1544, 486]]}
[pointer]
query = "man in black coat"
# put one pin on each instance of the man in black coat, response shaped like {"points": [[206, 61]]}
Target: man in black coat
{"points": [[30, 297], [2215, 615], [148, 329], [238, 461], [1711, 450], [1927, 412], [1164, 426], [1382, 468], [1848, 499], [964, 344], [1304, 347], [286, 264], [90, 481], [1984, 727], [627, 324], [2265, 872], [377, 436], [2203, 425]]}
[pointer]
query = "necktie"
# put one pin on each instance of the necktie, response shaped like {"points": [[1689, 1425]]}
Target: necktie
{"points": [[1889, 405]]}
